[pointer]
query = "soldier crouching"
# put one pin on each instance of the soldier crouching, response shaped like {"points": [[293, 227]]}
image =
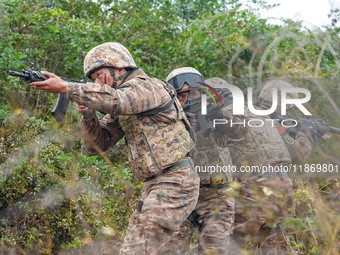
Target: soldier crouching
{"points": [[264, 199], [214, 212], [148, 114]]}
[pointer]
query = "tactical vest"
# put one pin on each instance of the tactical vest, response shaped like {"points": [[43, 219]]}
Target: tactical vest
{"points": [[211, 161], [151, 148], [261, 146]]}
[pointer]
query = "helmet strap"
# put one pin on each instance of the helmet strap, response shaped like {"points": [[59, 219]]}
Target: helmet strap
{"points": [[116, 79], [181, 92]]}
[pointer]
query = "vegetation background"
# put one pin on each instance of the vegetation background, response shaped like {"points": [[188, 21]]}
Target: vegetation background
{"points": [[54, 199]]}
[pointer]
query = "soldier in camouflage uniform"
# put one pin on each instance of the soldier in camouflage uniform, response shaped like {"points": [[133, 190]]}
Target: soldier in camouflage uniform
{"points": [[214, 212], [158, 142], [298, 144], [265, 199]]}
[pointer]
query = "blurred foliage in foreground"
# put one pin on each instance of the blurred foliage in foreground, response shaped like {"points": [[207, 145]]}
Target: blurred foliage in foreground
{"points": [[53, 199]]}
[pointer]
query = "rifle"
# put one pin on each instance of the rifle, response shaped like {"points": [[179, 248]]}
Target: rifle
{"points": [[213, 112], [31, 75], [313, 128], [193, 218]]}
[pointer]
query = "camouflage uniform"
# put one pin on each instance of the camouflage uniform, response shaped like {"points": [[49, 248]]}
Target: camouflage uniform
{"points": [[300, 148], [214, 211], [264, 200], [154, 142]]}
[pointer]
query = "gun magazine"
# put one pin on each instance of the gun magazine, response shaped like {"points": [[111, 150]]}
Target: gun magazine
{"points": [[60, 107]]}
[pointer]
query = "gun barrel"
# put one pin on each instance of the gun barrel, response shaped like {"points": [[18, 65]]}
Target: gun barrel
{"points": [[71, 80], [335, 130], [330, 129], [21, 75]]}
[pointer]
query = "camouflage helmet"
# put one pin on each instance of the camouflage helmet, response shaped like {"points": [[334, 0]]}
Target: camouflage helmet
{"points": [[224, 93], [181, 77], [181, 70], [111, 54], [214, 81], [266, 93]]}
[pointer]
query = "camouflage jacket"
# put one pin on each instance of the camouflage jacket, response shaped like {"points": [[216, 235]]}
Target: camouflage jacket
{"points": [[154, 142], [299, 147], [210, 159], [298, 144], [260, 144], [213, 159]]}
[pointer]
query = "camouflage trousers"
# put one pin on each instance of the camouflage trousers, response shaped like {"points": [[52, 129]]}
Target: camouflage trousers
{"points": [[166, 202], [263, 203], [215, 215]]}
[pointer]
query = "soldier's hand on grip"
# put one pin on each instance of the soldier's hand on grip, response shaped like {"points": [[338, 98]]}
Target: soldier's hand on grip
{"points": [[52, 85]]}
